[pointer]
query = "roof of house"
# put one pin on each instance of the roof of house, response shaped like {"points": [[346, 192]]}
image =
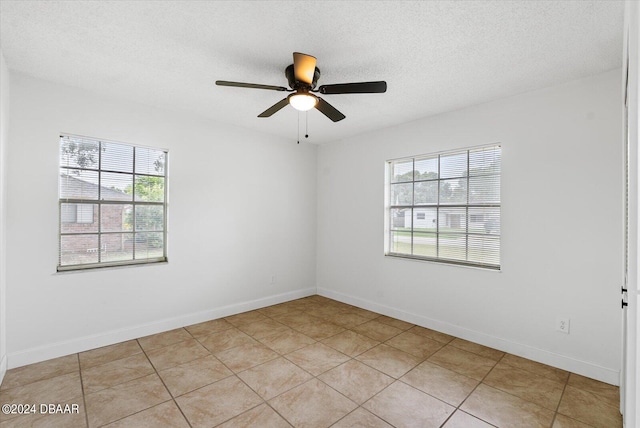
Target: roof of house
{"points": [[72, 187]]}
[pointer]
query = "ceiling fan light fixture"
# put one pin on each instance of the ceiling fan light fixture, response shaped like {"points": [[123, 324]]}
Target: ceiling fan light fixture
{"points": [[303, 101]]}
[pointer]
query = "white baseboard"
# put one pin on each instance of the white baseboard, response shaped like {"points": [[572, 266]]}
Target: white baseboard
{"points": [[563, 362], [3, 367], [67, 347]]}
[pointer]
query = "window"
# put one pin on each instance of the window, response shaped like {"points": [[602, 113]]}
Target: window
{"points": [[77, 213], [112, 204], [445, 207]]}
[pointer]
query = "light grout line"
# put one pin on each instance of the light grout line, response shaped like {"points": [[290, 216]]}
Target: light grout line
{"points": [[564, 388], [165, 387], [84, 399], [317, 377], [458, 408]]}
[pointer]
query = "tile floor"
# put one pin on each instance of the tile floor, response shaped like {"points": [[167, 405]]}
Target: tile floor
{"points": [[312, 362]]}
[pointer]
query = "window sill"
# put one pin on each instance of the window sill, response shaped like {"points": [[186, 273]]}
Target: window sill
{"points": [[457, 263], [114, 265]]}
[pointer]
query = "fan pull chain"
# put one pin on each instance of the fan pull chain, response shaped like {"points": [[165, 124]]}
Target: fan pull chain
{"points": [[306, 129]]}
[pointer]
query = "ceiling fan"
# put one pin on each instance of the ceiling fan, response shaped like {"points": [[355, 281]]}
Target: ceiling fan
{"points": [[303, 76]]}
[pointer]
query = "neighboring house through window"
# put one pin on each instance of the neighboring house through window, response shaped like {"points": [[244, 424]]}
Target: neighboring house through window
{"points": [[77, 213], [445, 207], [112, 204]]}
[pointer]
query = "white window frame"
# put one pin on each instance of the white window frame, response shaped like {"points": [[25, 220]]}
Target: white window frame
{"points": [[81, 213], [394, 208]]}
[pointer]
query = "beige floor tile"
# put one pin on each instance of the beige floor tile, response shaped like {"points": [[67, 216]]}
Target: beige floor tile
{"points": [[178, 353], [39, 371], [262, 416], [339, 306], [244, 357], [312, 404], [123, 400], [194, 374], [98, 356], [402, 325], [161, 340], [274, 353], [324, 312], [461, 419], [60, 389], [563, 421], [218, 402], [350, 343], [38, 420], [115, 372], [261, 329], [377, 330], [317, 358], [275, 310], [321, 299], [274, 377], [505, 410], [226, 339], [246, 318], [296, 318], [463, 362], [389, 360], [362, 312], [608, 393], [431, 334], [347, 319], [208, 327], [419, 346], [355, 380], [319, 330], [404, 406], [298, 305], [535, 367], [526, 385], [441, 383], [163, 415], [287, 341], [589, 408], [476, 348], [361, 418]]}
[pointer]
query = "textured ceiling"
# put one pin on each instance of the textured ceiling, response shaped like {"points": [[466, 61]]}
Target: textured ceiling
{"points": [[436, 56]]}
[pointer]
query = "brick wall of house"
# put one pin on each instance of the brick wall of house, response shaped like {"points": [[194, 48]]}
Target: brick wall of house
{"points": [[112, 221]]}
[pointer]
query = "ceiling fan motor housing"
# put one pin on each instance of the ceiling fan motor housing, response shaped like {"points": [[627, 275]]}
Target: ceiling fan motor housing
{"points": [[296, 84]]}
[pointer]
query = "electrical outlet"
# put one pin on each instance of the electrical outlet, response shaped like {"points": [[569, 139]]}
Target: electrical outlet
{"points": [[273, 279], [562, 324]]}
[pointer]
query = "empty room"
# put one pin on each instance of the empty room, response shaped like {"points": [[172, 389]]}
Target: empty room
{"points": [[319, 214]]}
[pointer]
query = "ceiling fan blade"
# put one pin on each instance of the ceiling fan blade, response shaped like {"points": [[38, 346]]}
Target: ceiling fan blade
{"points": [[328, 110], [354, 88], [304, 66], [250, 85], [274, 108]]}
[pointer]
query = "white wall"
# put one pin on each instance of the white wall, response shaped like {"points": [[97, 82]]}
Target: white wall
{"points": [[242, 207], [630, 387], [562, 211], [4, 138]]}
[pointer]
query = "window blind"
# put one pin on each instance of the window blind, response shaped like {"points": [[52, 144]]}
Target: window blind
{"points": [[446, 207], [112, 203]]}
